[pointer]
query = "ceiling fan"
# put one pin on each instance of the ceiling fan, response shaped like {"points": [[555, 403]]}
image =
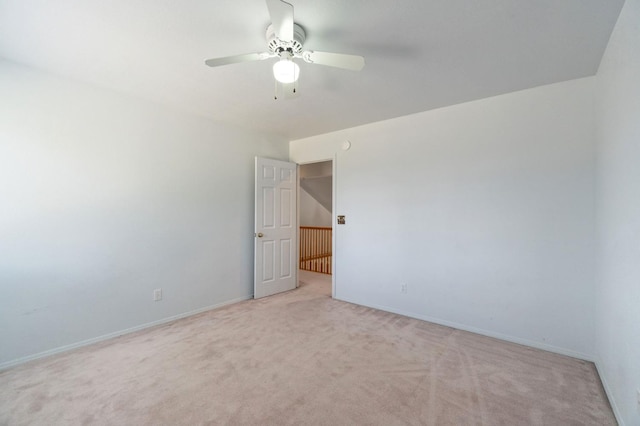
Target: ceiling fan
{"points": [[284, 41]]}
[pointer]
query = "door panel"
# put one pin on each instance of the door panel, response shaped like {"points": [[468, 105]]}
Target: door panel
{"points": [[285, 258], [268, 265], [286, 205], [275, 227], [269, 206]]}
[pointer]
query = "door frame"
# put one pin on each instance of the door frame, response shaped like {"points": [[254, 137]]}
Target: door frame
{"points": [[334, 199]]}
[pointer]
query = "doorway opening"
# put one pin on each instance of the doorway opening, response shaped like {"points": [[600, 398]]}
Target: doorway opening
{"points": [[315, 220]]}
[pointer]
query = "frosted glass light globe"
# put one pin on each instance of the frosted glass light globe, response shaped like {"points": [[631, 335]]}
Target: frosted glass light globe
{"points": [[286, 71]]}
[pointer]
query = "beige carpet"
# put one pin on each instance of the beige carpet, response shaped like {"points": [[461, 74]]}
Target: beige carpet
{"points": [[302, 358]]}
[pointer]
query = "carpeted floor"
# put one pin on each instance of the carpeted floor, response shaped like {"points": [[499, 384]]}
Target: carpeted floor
{"points": [[302, 358]]}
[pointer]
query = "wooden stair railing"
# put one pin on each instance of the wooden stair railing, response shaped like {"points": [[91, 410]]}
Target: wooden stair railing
{"points": [[315, 249]]}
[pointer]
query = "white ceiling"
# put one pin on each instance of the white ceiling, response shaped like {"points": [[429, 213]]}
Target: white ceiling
{"points": [[420, 54]]}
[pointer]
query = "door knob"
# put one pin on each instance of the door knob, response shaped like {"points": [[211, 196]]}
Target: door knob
{"points": [[260, 235]]}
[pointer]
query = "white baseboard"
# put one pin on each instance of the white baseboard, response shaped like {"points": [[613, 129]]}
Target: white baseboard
{"points": [[15, 362], [488, 333], [607, 390]]}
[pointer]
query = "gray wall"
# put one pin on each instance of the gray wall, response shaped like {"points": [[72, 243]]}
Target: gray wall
{"points": [[315, 206], [105, 198], [618, 203], [484, 209], [312, 213]]}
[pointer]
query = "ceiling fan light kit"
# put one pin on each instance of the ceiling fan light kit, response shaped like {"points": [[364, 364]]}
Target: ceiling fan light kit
{"points": [[286, 71], [284, 41]]}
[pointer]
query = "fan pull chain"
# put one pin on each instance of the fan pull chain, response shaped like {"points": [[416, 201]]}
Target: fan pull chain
{"points": [[275, 89], [295, 77]]}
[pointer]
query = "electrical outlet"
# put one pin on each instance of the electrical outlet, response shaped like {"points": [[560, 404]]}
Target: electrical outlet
{"points": [[157, 294], [404, 289]]}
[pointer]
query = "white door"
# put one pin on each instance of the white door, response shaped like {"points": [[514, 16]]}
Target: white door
{"points": [[276, 265]]}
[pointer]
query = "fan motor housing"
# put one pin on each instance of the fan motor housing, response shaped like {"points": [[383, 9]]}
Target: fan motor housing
{"points": [[276, 45]]}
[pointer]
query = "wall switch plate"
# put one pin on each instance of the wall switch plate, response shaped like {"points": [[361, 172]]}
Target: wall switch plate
{"points": [[638, 396], [157, 294], [404, 288]]}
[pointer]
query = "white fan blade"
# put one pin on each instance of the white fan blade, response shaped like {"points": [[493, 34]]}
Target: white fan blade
{"points": [[216, 62], [338, 60], [282, 19]]}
